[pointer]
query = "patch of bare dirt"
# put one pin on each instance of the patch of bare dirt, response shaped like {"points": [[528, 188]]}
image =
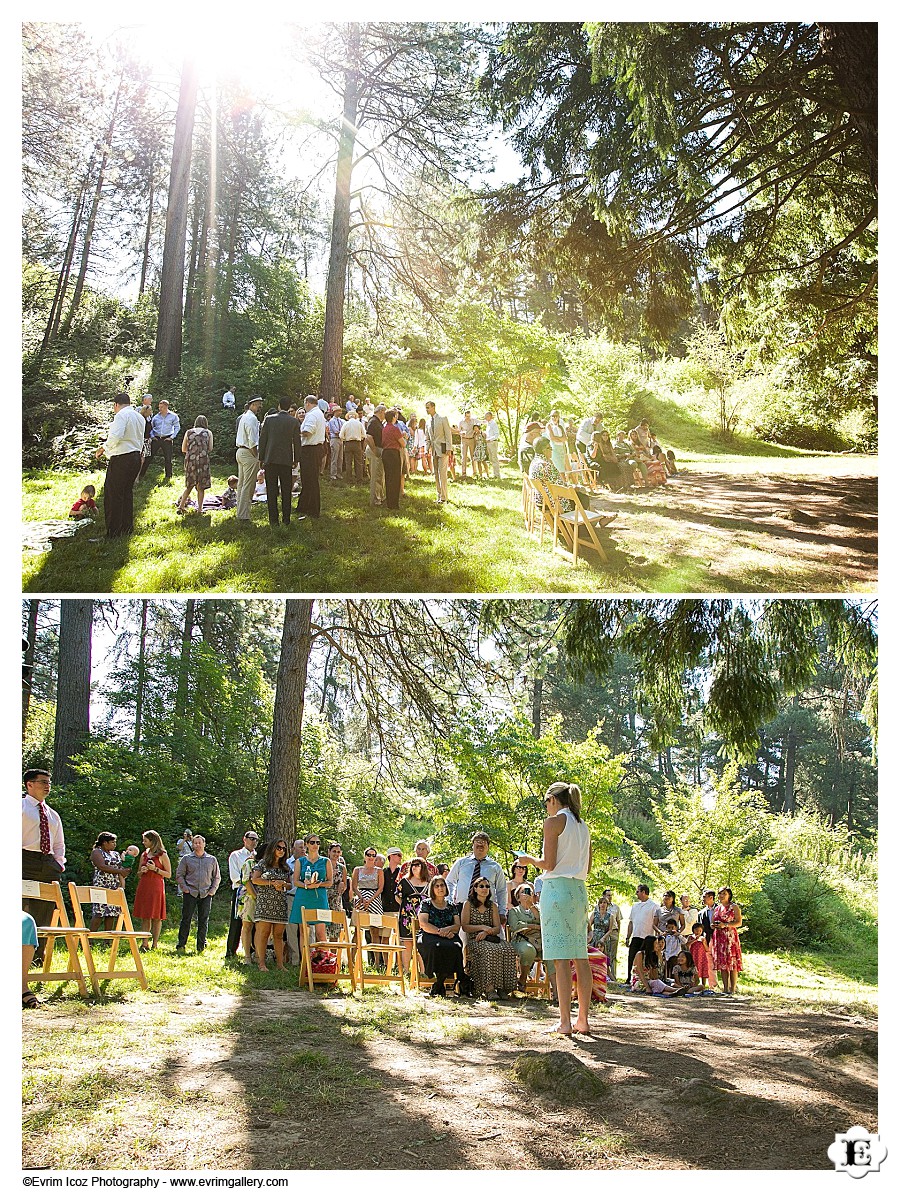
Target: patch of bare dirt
{"points": [[250, 1085], [823, 522]]}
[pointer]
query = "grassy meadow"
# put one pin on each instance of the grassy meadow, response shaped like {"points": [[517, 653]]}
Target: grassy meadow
{"points": [[722, 525]]}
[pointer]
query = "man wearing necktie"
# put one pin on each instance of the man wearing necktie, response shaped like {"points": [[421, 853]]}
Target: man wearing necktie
{"points": [[43, 847]]}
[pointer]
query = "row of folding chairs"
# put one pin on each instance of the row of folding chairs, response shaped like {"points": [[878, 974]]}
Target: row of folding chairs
{"points": [[351, 945], [574, 531], [79, 941]]}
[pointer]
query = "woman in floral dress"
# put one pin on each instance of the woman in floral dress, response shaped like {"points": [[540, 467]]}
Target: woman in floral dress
{"points": [[337, 887], [109, 874], [196, 447], [726, 944], [272, 879], [412, 889]]}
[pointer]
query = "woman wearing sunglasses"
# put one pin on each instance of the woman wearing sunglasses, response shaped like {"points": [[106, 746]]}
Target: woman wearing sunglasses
{"points": [[490, 959], [564, 903]]}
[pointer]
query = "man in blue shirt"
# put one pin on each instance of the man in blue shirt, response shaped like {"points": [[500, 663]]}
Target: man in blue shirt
{"points": [[164, 429], [478, 865]]}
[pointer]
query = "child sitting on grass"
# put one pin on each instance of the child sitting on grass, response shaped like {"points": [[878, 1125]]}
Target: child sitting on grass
{"points": [[229, 496], [85, 506], [682, 974]]}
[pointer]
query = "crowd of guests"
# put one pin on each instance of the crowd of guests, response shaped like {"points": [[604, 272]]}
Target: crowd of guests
{"points": [[559, 452], [282, 454], [471, 928], [675, 947]]}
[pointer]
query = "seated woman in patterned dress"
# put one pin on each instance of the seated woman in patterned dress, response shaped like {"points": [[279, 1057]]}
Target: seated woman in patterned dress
{"points": [[491, 961], [542, 469]]}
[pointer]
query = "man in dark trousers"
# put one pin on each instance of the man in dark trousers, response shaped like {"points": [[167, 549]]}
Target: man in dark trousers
{"points": [[312, 433], [279, 450], [123, 449], [43, 848]]}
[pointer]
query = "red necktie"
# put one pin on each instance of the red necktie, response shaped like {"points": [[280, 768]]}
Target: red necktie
{"points": [[45, 828]]}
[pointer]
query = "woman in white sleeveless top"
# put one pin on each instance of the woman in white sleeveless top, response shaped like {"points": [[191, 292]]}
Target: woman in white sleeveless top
{"points": [[564, 903]]}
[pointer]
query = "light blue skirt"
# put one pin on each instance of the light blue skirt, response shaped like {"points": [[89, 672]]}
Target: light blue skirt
{"points": [[29, 930], [559, 456], [564, 911]]}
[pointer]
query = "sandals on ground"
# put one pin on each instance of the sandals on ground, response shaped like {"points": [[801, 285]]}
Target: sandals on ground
{"points": [[31, 1001]]}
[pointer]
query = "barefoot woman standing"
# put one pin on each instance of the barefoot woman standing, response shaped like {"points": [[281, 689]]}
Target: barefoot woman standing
{"points": [[564, 906]]}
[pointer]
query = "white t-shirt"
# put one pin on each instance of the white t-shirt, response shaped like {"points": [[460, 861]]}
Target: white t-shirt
{"points": [[643, 916]]}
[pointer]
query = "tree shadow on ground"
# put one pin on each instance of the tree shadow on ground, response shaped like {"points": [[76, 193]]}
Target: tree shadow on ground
{"points": [[701, 532]]}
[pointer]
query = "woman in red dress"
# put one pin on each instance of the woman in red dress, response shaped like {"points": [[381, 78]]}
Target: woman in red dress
{"points": [[150, 898], [726, 945]]}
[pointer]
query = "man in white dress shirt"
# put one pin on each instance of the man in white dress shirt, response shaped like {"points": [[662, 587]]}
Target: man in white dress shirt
{"points": [[478, 864], [439, 434], [247, 456], [492, 442], [353, 437], [236, 861], [312, 435], [123, 449], [467, 440], [43, 847]]}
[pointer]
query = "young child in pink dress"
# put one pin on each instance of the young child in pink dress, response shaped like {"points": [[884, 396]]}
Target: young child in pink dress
{"points": [[702, 957]]}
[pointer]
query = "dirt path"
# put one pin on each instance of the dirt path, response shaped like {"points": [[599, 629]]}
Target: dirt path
{"points": [[287, 1080], [752, 531]]}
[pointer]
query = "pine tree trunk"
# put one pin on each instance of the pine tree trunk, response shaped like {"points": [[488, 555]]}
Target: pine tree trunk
{"points": [[536, 697], [145, 258], [333, 346], [141, 677], [73, 689], [28, 660], [851, 50], [167, 355], [790, 766], [287, 721], [187, 633], [62, 280]]}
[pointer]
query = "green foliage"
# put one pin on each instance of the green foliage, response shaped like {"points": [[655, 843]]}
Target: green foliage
{"points": [[716, 367], [605, 376], [37, 747], [824, 893], [504, 770], [512, 367], [720, 837]]}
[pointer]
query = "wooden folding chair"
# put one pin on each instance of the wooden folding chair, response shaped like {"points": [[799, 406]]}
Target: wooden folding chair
{"points": [[539, 984], [567, 526], [417, 980], [343, 945], [59, 928], [391, 949], [123, 932], [539, 509], [576, 471]]}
